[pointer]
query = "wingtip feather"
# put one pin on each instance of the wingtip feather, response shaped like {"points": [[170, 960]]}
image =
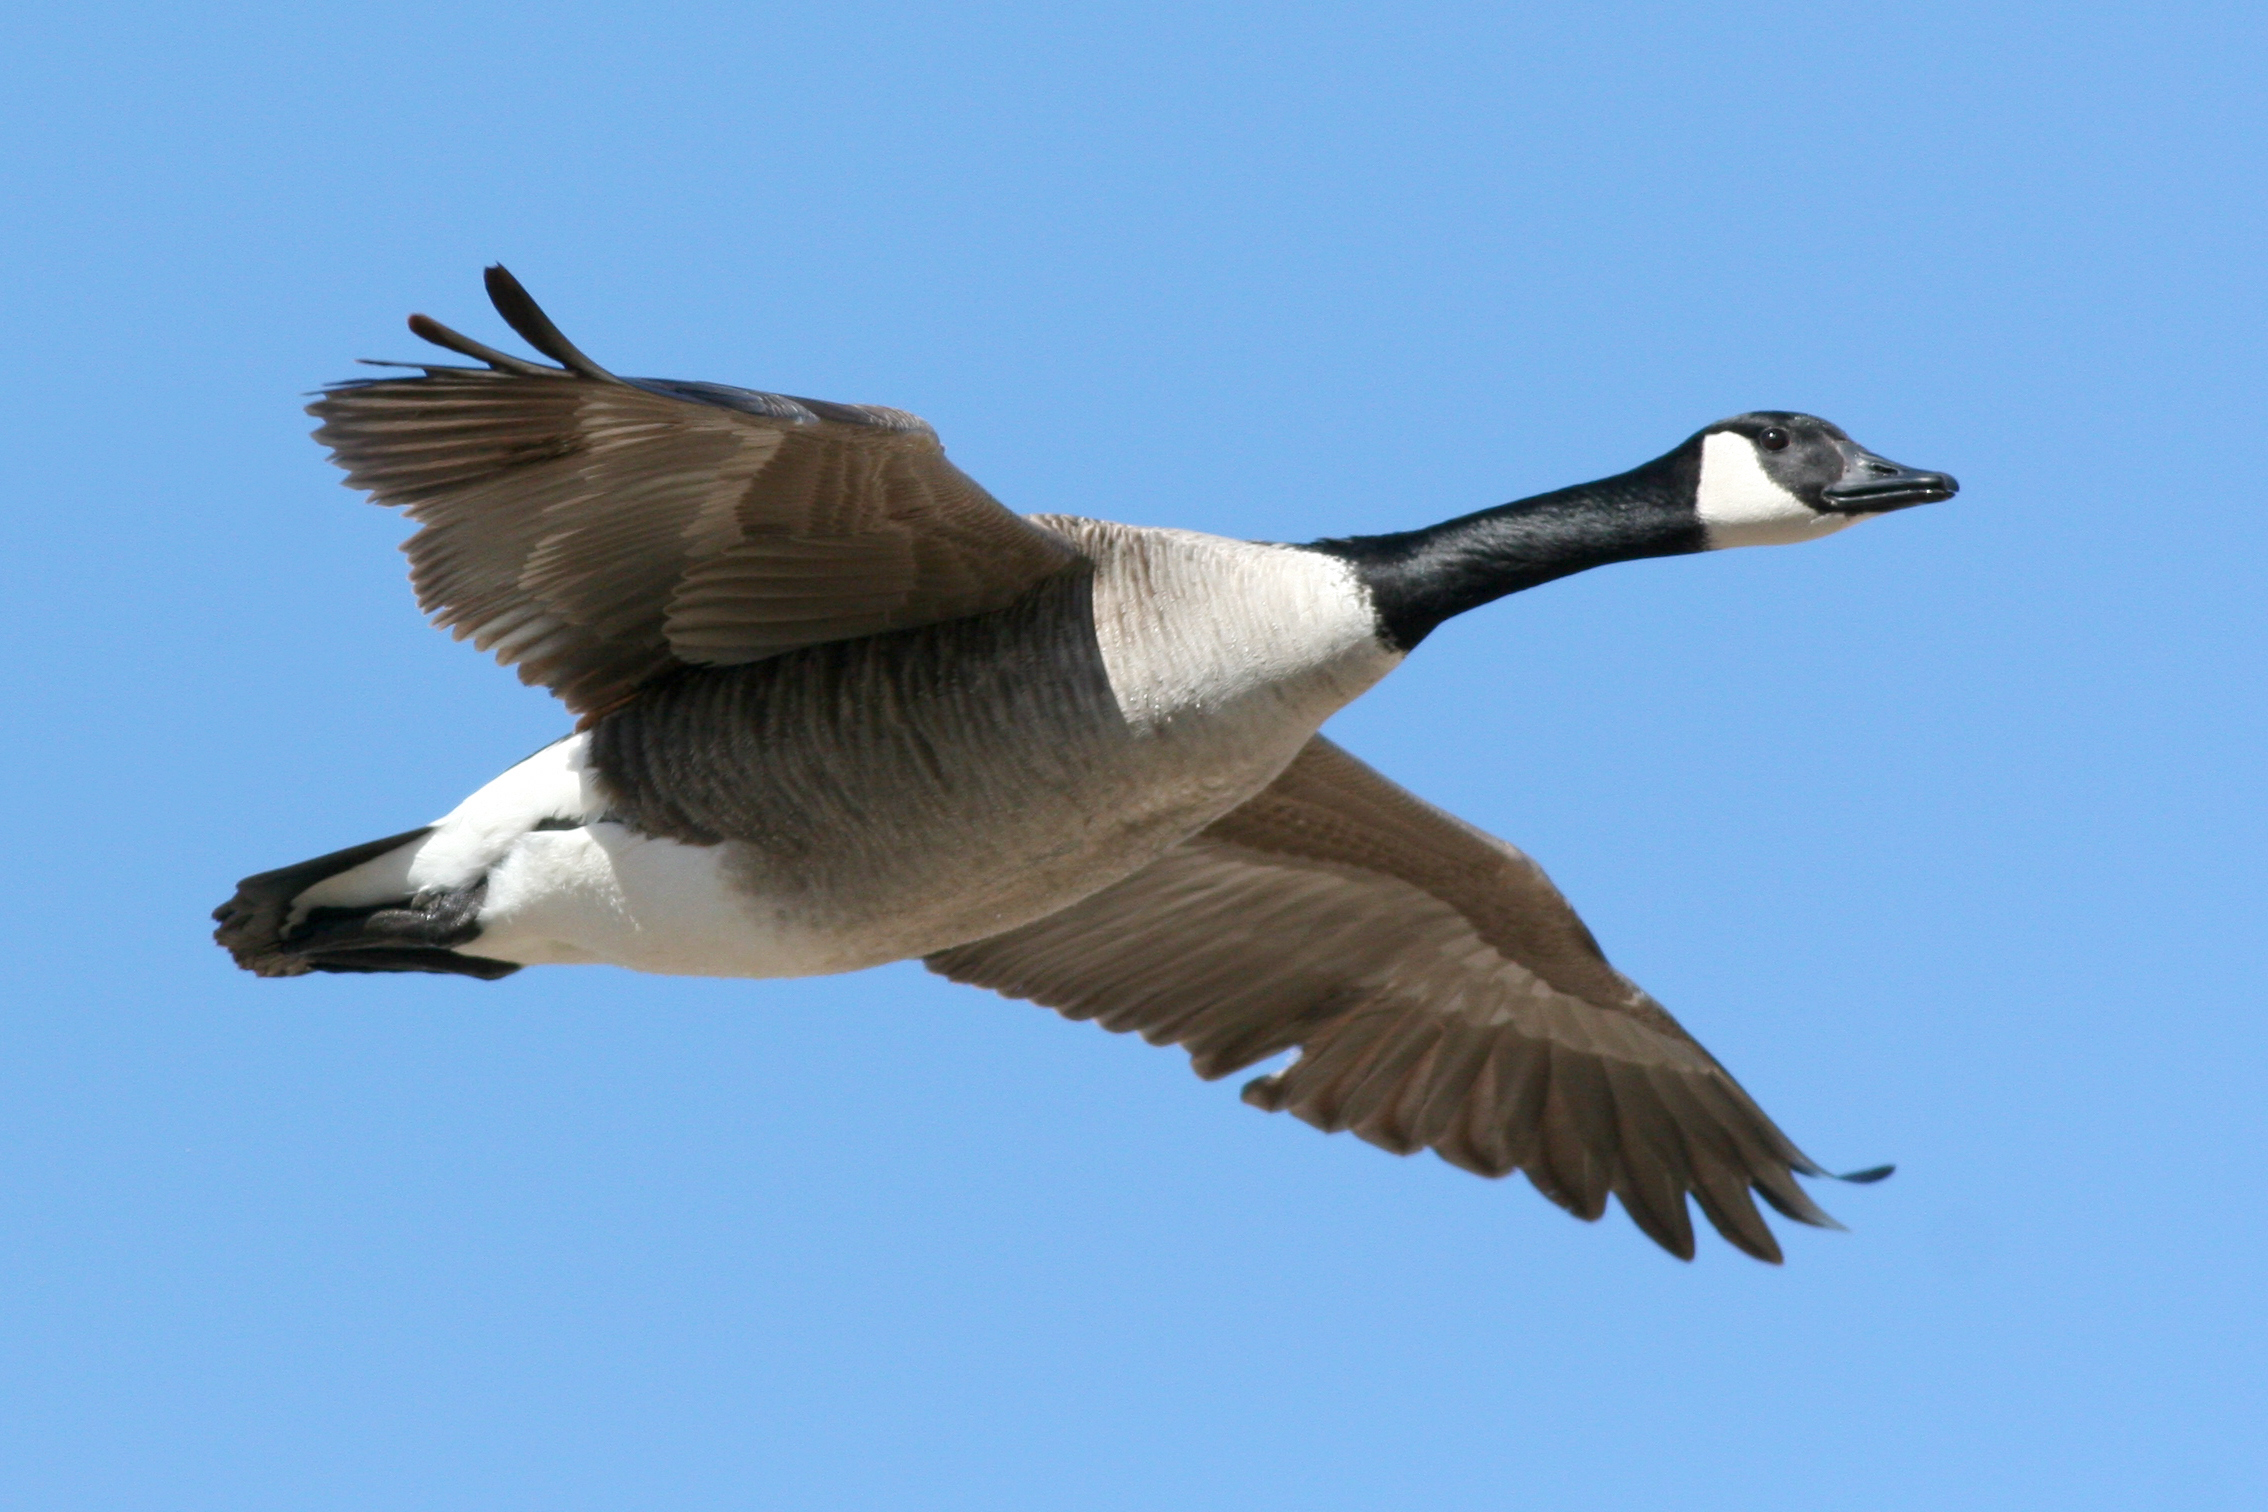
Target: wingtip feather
{"points": [[426, 328], [523, 314]]}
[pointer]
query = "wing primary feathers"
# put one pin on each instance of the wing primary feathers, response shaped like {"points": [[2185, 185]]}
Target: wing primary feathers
{"points": [[1867, 1177], [1580, 1141], [426, 328], [524, 315], [1405, 955]]}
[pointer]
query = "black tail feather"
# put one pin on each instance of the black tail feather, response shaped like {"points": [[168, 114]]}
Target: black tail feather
{"points": [[412, 958], [410, 934]]}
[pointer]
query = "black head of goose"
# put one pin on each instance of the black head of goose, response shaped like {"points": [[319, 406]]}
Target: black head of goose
{"points": [[839, 706]]}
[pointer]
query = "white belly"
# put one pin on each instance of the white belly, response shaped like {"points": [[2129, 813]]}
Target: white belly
{"points": [[598, 893], [604, 893]]}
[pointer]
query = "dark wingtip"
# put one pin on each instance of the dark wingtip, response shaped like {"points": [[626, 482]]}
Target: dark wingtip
{"points": [[523, 314], [1867, 1177]]}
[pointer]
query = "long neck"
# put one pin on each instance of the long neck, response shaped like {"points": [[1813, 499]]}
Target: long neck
{"points": [[1418, 578]]}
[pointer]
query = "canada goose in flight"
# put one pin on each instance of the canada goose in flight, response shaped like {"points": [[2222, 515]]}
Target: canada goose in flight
{"points": [[839, 706]]}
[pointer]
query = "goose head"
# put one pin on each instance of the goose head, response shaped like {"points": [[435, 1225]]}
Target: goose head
{"points": [[1773, 476], [1760, 479]]}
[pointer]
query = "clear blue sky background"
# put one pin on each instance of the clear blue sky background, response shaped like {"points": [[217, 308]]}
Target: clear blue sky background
{"points": [[1944, 834]]}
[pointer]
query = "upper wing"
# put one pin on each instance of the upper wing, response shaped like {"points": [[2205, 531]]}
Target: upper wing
{"points": [[1441, 993], [597, 530]]}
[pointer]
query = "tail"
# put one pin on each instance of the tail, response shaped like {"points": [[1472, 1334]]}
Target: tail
{"points": [[271, 934]]}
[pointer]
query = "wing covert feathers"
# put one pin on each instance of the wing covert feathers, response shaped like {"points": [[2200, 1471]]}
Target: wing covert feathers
{"points": [[1440, 991], [597, 531]]}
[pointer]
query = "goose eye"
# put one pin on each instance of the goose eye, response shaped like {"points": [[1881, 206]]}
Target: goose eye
{"points": [[1773, 439]]}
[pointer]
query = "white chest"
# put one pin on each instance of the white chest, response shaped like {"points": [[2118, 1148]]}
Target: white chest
{"points": [[1200, 629]]}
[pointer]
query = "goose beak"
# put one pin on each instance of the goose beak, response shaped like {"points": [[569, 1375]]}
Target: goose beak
{"points": [[1876, 485]]}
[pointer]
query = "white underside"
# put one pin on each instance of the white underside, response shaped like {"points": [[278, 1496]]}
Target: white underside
{"points": [[607, 894], [601, 893]]}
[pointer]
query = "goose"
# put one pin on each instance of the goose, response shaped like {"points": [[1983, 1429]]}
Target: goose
{"points": [[837, 706]]}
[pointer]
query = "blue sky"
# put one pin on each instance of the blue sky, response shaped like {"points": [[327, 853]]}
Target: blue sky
{"points": [[1944, 834]]}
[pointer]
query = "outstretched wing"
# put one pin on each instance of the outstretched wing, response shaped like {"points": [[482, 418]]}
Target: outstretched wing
{"points": [[598, 530], [1441, 994]]}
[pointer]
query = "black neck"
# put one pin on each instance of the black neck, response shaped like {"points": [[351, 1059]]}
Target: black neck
{"points": [[1418, 578]]}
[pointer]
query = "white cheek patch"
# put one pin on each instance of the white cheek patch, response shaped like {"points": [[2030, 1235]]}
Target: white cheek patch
{"points": [[1740, 505]]}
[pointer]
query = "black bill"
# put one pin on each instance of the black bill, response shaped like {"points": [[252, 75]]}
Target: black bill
{"points": [[1872, 484]]}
